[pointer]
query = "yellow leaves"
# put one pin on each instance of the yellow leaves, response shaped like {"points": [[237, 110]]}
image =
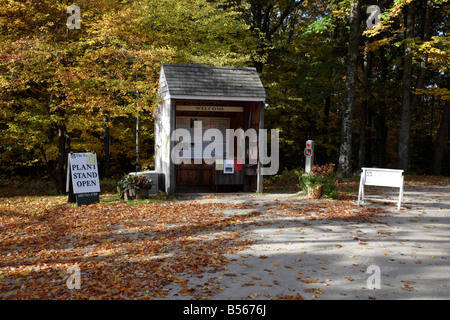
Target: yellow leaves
{"points": [[314, 290], [442, 93]]}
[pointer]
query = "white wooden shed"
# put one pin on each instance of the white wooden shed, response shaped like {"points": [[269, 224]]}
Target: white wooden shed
{"points": [[221, 97]]}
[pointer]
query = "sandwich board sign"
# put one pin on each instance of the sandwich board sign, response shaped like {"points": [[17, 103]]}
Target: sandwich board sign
{"points": [[82, 174], [382, 178]]}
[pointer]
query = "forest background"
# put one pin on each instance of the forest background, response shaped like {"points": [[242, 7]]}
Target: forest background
{"points": [[367, 96]]}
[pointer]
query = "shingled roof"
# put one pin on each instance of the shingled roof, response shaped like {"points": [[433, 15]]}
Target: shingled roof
{"points": [[193, 81]]}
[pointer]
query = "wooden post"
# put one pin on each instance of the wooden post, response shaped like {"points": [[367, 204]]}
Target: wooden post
{"points": [[171, 179], [260, 177]]}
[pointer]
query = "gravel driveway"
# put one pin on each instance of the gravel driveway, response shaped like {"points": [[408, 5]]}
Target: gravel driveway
{"points": [[393, 255]]}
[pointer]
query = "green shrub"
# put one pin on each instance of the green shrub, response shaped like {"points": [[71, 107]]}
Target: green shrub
{"points": [[136, 182], [321, 176], [286, 176]]}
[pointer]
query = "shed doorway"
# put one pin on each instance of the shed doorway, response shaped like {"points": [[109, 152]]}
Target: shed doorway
{"points": [[223, 98], [200, 176]]}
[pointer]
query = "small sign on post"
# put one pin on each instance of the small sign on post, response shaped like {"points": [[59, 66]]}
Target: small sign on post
{"points": [[383, 178], [309, 154], [228, 166], [83, 171]]}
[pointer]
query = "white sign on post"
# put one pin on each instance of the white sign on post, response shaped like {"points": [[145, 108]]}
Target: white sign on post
{"points": [[84, 170], [382, 178], [228, 166]]}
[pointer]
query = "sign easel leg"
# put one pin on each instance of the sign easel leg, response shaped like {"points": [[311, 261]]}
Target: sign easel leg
{"points": [[361, 191]]}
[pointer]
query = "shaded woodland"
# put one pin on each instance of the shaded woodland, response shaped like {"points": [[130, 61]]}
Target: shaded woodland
{"points": [[367, 95]]}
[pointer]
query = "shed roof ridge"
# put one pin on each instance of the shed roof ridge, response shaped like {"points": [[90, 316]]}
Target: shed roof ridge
{"points": [[206, 66]]}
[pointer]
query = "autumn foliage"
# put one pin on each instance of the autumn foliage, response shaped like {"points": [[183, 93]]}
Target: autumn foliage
{"points": [[124, 250]]}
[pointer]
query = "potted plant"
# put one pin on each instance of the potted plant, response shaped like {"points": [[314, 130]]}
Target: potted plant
{"points": [[320, 182], [134, 187], [312, 185]]}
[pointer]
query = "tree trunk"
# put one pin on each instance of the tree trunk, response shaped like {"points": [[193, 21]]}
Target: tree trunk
{"points": [[424, 61], [380, 122], [263, 25], [381, 133], [60, 169], [326, 111], [137, 143], [106, 154], [441, 141], [405, 126], [345, 155], [364, 109]]}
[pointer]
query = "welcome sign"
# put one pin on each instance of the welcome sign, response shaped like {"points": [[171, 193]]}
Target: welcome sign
{"points": [[84, 175], [210, 108]]}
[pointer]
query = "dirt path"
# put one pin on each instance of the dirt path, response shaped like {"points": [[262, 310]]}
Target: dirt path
{"points": [[300, 253]]}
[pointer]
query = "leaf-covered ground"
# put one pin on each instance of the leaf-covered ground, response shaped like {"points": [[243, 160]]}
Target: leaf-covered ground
{"points": [[138, 249], [124, 250]]}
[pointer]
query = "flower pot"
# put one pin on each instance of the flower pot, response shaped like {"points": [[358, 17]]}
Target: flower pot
{"points": [[136, 194], [315, 192], [130, 194], [142, 193]]}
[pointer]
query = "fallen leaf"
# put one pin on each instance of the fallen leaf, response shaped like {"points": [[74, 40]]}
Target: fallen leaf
{"points": [[308, 280], [253, 295], [348, 278], [286, 297], [408, 288], [289, 267], [314, 290]]}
